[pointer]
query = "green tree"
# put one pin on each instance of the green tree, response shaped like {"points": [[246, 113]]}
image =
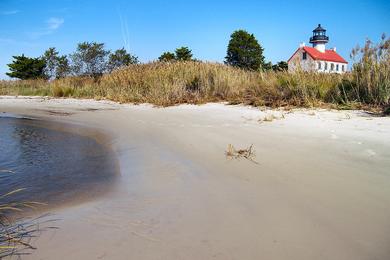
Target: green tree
{"points": [[120, 58], [23, 67], [50, 57], [267, 66], [89, 59], [56, 66], [280, 66], [167, 56], [63, 67], [244, 51], [183, 54]]}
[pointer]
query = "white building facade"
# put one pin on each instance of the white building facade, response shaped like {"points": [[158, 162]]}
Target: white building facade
{"points": [[317, 58]]}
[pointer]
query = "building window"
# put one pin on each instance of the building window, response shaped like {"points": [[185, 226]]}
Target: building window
{"points": [[343, 68], [326, 66], [331, 66], [337, 67], [319, 65], [304, 56]]}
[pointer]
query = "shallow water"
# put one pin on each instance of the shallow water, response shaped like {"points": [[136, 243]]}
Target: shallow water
{"points": [[53, 162]]}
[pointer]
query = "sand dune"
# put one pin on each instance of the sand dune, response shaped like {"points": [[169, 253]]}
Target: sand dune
{"points": [[320, 188]]}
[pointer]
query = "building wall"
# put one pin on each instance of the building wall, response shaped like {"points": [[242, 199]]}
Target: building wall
{"points": [[296, 62], [326, 66]]}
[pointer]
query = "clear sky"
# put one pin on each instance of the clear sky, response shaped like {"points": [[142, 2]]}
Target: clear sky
{"points": [[149, 27]]}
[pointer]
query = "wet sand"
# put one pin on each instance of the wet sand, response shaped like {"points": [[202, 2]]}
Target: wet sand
{"points": [[320, 190]]}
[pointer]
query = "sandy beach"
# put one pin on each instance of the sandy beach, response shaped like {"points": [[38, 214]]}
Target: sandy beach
{"points": [[320, 187]]}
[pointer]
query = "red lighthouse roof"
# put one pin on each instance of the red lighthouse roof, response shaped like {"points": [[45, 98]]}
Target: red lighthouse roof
{"points": [[328, 55]]}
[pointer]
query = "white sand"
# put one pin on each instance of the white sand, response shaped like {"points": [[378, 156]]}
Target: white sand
{"points": [[321, 189]]}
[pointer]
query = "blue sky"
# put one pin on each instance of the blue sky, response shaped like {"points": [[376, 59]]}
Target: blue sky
{"points": [[149, 27]]}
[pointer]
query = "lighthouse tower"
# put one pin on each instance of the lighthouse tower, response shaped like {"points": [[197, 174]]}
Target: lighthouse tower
{"points": [[319, 38], [317, 58]]}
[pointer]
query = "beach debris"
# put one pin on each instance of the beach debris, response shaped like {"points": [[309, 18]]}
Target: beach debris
{"points": [[248, 153], [271, 117]]}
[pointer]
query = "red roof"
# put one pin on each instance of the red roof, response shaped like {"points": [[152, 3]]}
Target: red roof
{"points": [[328, 55]]}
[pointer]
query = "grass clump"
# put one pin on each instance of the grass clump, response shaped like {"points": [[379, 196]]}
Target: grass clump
{"points": [[248, 153], [15, 235]]}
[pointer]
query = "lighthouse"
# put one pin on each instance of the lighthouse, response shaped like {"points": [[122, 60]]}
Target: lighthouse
{"points": [[317, 58], [319, 38]]}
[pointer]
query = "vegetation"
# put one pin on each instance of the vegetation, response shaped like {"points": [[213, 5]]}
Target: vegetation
{"points": [[89, 59], [15, 235], [181, 54], [167, 57], [247, 153], [26, 68], [371, 73], [191, 82], [119, 59], [55, 66], [182, 81], [280, 66], [244, 51]]}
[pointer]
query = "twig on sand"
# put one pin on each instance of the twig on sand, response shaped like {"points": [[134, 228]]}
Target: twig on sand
{"points": [[248, 153]]}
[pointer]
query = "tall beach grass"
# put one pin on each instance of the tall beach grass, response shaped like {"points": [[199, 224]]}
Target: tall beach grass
{"points": [[170, 83], [189, 82]]}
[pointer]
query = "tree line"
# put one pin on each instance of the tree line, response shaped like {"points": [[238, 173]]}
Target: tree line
{"points": [[93, 60], [89, 59]]}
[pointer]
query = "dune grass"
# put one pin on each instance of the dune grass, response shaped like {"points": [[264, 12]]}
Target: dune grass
{"points": [[171, 83], [166, 84]]}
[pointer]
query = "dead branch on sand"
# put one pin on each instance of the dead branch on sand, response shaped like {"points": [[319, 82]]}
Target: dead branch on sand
{"points": [[248, 153]]}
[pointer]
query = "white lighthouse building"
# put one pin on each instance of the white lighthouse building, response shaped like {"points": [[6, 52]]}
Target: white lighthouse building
{"points": [[317, 58]]}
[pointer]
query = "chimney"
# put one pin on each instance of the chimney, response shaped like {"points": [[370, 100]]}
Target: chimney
{"points": [[334, 49], [301, 45]]}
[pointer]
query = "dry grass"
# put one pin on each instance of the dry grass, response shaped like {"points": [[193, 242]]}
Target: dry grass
{"points": [[165, 84], [15, 235], [247, 153]]}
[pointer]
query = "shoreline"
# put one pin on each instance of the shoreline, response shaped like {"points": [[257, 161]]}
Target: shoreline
{"points": [[320, 190], [91, 184]]}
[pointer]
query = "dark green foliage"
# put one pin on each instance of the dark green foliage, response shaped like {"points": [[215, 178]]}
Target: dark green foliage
{"points": [[244, 51], [89, 59], [386, 111], [167, 56], [63, 68], [183, 54], [267, 66], [119, 59], [280, 66], [24, 67]]}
